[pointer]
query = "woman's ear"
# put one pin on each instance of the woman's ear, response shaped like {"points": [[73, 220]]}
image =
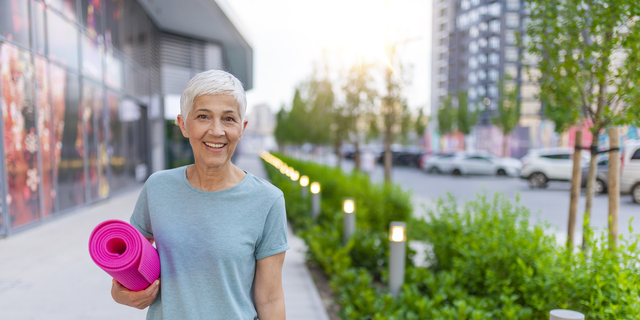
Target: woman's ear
{"points": [[182, 126]]}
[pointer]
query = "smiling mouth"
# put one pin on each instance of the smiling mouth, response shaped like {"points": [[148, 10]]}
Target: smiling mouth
{"points": [[215, 145]]}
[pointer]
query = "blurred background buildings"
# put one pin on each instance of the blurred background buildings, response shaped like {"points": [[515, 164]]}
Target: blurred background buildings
{"points": [[475, 48], [86, 87]]}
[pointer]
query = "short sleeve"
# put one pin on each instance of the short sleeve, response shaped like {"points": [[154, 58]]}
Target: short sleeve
{"points": [[140, 218], [274, 234]]}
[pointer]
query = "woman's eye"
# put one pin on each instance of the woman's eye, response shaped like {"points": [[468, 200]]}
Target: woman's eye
{"points": [[202, 116], [230, 119]]}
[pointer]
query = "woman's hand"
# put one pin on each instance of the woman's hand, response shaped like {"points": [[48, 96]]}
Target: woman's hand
{"points": [[137, 299]]}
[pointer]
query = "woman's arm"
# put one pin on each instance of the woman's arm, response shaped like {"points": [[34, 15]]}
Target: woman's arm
{"points": [[268, 292]]}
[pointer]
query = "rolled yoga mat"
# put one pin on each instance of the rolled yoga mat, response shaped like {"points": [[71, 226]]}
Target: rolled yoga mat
{"points": [[124, 253]]}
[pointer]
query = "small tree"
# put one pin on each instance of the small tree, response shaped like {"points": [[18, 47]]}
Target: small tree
{"points": [[298, 120], [405, 123], [391, 106], [589, 57], [465, 119], [280, 131], [321, 100], [359, 97], [420, 125], [446, 117], [508, 114]]}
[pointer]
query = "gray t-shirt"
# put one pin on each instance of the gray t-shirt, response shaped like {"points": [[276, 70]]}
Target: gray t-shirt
{"points": [[208, 243]]}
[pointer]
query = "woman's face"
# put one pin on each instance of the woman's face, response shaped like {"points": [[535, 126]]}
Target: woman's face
{"points": [[214, 128]]}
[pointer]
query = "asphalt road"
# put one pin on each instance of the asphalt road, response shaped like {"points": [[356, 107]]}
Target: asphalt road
{"points": [[550, 205]]}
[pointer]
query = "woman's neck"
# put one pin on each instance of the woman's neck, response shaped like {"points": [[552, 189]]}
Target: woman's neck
{"points": [[214, 179]]}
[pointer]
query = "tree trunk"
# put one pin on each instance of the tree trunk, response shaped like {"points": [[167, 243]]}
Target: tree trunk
{"points": [[504, 145], [338, 146], [614, 186], [356, 156], [591, 179], [387, 157], [576, 181]]}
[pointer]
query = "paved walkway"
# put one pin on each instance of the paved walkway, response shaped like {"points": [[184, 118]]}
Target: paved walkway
{"points": [[46, 271]]}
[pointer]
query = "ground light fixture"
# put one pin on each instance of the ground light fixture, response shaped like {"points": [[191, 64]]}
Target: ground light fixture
{"points": [[295, 176], [283, 168], [349, 220], [559, 314], [290, 171], [315, 199], [397, 256], [304, 182]]}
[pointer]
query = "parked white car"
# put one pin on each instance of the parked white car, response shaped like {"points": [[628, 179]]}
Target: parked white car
{"points": [[439, 163], [540, 166], [630, 170], [485, 164]]}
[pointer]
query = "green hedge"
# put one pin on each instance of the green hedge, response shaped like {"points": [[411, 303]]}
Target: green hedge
{"points": [[487, 261]]}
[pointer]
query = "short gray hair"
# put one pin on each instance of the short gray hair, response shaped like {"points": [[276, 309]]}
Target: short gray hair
{"points": [[212, 82]]}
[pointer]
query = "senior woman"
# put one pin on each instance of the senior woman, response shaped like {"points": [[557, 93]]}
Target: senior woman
{"points": [[220, 231]]}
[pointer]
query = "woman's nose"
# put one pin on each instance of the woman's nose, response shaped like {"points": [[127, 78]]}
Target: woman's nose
{"points": [[216, 128]]}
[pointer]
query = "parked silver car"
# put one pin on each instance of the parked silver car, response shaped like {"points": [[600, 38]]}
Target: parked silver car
{"points": [[485, 164], [439, 163]]}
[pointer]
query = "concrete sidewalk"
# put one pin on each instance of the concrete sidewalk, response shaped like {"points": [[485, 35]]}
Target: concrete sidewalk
{"points": [[46, 272]]}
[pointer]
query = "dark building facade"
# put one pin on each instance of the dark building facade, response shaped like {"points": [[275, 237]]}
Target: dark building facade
{"points": [[82, 86]]}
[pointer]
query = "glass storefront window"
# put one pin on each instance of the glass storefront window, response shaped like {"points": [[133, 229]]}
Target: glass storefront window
{"points": [[20, 136], [92, 16], [68, 126], [39, 26], [63, 40], [14, 21], [93, 116], [91, 58], [67, 7], [114, 10], [114, 71], [47, 143]]}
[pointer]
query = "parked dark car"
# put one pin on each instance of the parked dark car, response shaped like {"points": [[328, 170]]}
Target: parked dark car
{"points": [[403, 158]]}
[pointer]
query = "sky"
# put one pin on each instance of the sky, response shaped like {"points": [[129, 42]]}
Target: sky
{"points": [[289, 36]]}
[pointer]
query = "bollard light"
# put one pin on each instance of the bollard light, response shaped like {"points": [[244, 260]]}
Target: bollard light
{"points": [[315, 199], [397, 233], [349, 219], [348, 205], [559, 314], [295, 176], [315, 187], [283, 168], [290, 171], [304, 181], [397, 256]]}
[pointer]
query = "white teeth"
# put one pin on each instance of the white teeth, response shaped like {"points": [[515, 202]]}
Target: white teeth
{"points": [[215, 145]]}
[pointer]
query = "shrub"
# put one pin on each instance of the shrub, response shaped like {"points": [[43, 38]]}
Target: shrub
{"points": [[487, 260]]}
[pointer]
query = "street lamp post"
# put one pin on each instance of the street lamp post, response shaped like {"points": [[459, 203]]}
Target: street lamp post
{"points": [[397, 254], [349, 220], [315, 199], [304, 182]]}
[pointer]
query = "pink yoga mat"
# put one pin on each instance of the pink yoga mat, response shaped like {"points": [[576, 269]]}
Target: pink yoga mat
{"points": [[123, 252]]}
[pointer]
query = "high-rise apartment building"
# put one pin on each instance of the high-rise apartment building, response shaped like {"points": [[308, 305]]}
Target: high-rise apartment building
{"points": [[474, 48]]}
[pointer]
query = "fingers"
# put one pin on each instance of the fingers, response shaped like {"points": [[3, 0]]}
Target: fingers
{"points": [[152, 290], [137, 299]]}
